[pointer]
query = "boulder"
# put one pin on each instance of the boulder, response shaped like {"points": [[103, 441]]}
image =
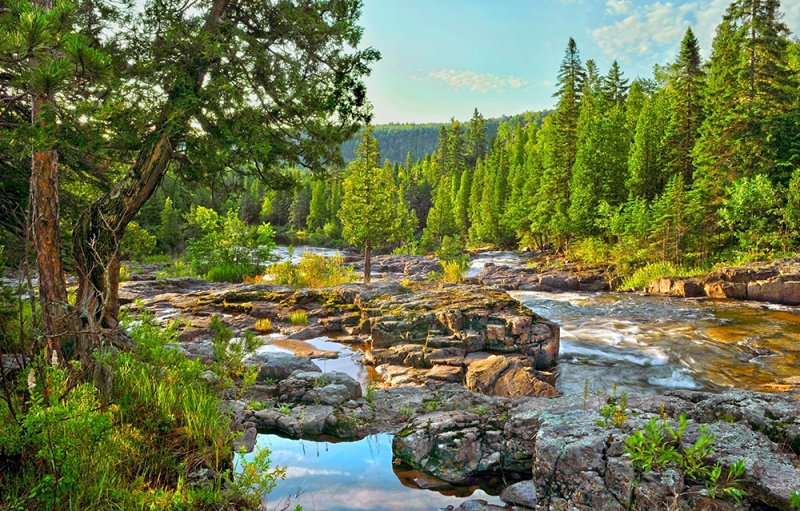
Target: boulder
{"points": [[522, 493], [278, 366], [501, 376]]}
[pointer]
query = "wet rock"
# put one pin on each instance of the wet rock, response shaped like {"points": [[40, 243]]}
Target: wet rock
{"points": [[479, 505], [314, 387], [568, 277], [522, 493], [501, 376], [278, 366], [247, 440], [775, 282]]}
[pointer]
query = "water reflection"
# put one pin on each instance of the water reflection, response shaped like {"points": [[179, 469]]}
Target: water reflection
{"points": [[351, 476]]}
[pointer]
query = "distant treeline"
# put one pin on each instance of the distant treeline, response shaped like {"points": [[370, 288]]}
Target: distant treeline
{"points": [[397, 140]]}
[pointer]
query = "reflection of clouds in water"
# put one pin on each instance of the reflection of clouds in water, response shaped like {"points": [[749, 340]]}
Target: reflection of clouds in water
{"points": [[376, 498], [295, 472]]}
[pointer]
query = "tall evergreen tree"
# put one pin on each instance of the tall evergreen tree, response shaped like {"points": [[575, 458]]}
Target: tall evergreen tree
{"points": [[318, 208], [686, 95], [614, 87], [368, 210], [647, 174], [477, 142]]}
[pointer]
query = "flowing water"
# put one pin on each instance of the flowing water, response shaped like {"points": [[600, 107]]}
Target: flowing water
{"points": [[281, 252], [650, 343], [636, 343]]}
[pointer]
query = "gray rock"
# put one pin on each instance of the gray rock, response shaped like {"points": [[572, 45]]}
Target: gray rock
{"points": [[247, 440], [521, 494], [277, 366]]}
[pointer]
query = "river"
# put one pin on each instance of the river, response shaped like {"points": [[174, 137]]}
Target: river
{"points": [[625, 341]]}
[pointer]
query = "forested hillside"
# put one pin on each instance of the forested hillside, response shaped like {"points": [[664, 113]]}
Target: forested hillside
{"points": [[696, 164], [398, 140]]}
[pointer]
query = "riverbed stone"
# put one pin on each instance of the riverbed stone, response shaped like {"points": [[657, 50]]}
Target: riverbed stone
{"points": [[278, 366], [501, 376], [522, 493]]}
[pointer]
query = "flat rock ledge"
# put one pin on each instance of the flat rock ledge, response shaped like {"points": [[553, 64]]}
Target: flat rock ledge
{"points": [[568, 461], [565, 277], [775, 282], [430, 334]]}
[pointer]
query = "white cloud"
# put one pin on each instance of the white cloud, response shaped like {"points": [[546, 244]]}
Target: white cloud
{"points": [[658, 27], [617, 6], [481, 82]]}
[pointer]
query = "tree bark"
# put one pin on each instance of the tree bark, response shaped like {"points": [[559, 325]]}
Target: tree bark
{"points": [[99, 230], [367, 261], [45, 227]]}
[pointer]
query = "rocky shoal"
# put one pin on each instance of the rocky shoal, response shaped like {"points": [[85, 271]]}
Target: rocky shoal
{"points": [[465, 390]]}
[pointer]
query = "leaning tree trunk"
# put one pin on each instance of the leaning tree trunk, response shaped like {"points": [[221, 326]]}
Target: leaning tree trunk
{"points": [[44, 222], [96, 244], [99, 230]]}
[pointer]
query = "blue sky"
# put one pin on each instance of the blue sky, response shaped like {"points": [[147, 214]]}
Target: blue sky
{"points": [[442, 58]]}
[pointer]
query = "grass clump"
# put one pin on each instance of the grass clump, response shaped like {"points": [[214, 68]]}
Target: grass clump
{"points": [[134, 441], [298, 317], [263, 325]]}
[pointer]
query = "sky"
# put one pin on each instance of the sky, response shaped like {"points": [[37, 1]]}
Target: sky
{"points": [[443, 58]]}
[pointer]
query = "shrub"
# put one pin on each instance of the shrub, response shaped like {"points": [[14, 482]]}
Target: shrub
{"points": [[453, 272], [751, 211], [659, 445], [124, 273], [178, 268], [654, 271], [592, 251], [313, 270], [227, 243], [298, 317], [136, 243]]}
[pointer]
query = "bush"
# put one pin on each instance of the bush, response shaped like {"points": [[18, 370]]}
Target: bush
{"points": [[313, 270], [751, 211], [136, 243], [228, 244], [592, 251], [654, 271], [130, 446]]}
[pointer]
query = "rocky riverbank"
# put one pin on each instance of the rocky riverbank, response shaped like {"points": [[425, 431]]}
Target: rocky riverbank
{"points": [[774, 282], [461, 379]]}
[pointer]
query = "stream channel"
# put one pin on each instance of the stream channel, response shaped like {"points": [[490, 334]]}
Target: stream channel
{"points": [[626, 341]]}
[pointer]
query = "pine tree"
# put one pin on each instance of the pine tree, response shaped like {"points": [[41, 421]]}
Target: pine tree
{"points": [[646, 169], [368, 204], [477, 142], [318, 208], [170, 236], [750, 89], [685, 90], [614, 87], [559, 158]]}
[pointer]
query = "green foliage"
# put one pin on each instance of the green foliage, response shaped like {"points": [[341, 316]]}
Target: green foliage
{"points": [[615, 411], [592, 250], [227, 246], [298, 317], [795, 500], [653, 271], [313, 270], [131, 446], [660, 445], [136, 243], [229, 353], [751, 211]]}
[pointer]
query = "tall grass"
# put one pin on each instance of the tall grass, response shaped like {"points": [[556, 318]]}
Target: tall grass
{"points": [[657, 270]]}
